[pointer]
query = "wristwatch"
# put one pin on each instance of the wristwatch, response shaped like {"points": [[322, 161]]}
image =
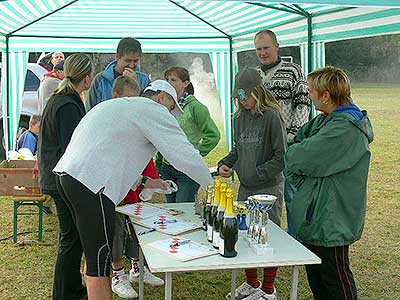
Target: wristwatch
{"points": [[144, 180]]}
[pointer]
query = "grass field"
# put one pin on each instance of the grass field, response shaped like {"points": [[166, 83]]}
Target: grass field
{"points": [[26, 271]]}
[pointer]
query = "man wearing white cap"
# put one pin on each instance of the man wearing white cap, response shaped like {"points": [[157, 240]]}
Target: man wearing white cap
{"points": [[106, 155]]}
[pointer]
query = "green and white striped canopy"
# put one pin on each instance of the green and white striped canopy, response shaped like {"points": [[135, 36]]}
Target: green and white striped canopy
{"points": [[220, 28]]}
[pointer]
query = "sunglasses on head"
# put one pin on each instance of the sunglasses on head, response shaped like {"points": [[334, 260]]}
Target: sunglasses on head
{"points": [[241, 95]]}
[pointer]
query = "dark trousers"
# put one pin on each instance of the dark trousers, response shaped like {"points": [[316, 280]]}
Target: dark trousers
{"points": [[67, 283], [332, 279], [187, 188]]}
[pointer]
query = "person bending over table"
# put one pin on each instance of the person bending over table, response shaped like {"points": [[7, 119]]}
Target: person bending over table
{"points": [[123, 243], [104, 159]]}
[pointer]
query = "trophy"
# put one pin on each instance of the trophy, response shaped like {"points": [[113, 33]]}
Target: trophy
{"points": [[257, 234]]}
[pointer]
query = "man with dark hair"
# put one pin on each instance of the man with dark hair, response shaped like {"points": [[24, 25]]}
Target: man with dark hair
{"points": [[126, 63]]}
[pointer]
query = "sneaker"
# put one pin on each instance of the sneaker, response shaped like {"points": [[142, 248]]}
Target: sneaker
{"points": [[261, 295], [121, 286], [243, 291], [148, 277]]}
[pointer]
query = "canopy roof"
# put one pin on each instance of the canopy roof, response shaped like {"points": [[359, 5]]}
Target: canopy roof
{"points": [[220, 28], [28, 23]]}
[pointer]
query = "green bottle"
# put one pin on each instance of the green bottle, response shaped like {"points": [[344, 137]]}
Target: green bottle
{"points": [[229, 229], [220, 216], [207, 206], [213, 211]]}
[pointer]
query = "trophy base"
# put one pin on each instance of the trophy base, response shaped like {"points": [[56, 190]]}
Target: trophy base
{"points": [[259, 249]]}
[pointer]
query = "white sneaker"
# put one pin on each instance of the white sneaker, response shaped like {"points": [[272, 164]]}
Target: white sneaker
{"points": [[261, 295], [122, 287], [243, 291], [148, 277]]}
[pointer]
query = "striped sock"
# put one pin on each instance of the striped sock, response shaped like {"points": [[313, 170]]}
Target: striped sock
{"points": [[269, 279], [119, 272], [252, 277]]}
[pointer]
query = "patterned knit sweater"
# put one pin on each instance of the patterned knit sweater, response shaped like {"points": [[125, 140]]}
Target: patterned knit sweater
{"points": [[288, 85]]}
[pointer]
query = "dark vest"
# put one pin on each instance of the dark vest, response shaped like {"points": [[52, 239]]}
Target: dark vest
{"points": [[49, 146]]}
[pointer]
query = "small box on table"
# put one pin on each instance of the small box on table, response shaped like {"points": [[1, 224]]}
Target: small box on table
{"points": [[16, 178]]}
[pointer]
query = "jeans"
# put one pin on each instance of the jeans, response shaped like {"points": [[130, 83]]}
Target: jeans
{"points": [[67, 275], [187, 188], [289, 194]]}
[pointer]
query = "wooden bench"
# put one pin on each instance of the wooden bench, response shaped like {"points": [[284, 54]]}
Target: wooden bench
{"points": [[28, 201]]}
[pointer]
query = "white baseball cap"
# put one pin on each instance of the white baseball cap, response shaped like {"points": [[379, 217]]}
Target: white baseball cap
{"points": [[162, 85]]}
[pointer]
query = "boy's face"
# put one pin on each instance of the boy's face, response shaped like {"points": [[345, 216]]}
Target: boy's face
{"points": [[129, 60], [35, 128]]}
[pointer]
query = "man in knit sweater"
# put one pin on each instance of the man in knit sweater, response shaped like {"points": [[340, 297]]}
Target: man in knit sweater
{"points": [[287, 83], [285, 80]]}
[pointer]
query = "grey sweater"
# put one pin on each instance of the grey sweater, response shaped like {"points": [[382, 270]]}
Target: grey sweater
{"points": [[259, 147]]}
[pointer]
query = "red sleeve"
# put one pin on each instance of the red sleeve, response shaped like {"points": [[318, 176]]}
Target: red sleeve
{"points": [[133, 196]]}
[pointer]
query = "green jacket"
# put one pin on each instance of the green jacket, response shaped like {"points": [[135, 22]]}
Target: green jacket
{"points": [[328, 163], [199, 127]]}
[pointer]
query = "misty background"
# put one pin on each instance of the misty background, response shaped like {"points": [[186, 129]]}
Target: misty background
{"points": [[370, 60]]}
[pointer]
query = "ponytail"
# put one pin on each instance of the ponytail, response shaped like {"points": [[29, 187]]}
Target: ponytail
{"points": [[76, 68]]}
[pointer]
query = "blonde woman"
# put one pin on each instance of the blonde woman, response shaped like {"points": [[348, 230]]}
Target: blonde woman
{"points": [[60, 117], [257, 158]]}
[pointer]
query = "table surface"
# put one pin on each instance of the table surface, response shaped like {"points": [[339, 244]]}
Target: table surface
{"points": [[287, 251]]}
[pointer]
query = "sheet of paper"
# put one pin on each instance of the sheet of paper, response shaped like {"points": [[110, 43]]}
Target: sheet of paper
{"points": [[168, 224], [141, 210], [185, 252]]}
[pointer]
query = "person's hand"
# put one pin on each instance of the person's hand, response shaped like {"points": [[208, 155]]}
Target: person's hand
{"points": [[35, 170], [225, 171], [130, 73], [156, 184]]}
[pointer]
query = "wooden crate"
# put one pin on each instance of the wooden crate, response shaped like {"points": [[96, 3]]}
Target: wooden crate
{"points": [[16, 178]]}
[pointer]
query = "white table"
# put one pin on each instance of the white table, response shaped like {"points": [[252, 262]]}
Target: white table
{"points": [[287, 252]]}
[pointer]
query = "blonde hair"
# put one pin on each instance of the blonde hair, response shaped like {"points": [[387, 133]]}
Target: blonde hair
{"points": [[124, 85], [34, 119], [76, 68], [333, 80], [264, 101]]}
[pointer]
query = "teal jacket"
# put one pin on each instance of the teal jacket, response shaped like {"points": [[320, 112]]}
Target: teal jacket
{"points": [[199, 127], [328, 162]]}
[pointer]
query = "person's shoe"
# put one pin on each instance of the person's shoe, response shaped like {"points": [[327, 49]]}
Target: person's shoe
{"points": [[261, 295], [148, 277], [243, 291], [121, 286]]}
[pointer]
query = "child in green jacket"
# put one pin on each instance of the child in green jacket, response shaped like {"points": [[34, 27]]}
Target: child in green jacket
{"points": [[199, 127]]}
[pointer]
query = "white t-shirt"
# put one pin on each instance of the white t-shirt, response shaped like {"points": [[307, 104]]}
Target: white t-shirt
{"points": [[114, 142]]}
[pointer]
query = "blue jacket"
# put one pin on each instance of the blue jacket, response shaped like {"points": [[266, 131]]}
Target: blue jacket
{"points": [[101, 88]]}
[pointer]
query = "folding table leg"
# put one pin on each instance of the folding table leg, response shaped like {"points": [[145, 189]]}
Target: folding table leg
{"points": [[141, 271], [295, 281], [233, 283], [168, 286], [15, 228], [40, 226]]}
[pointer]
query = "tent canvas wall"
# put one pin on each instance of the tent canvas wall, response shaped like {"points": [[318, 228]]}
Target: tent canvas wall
{"points": [[220, 28]]}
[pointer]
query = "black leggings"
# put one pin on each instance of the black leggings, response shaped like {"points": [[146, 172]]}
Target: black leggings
{"points": [[93, 215]]}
